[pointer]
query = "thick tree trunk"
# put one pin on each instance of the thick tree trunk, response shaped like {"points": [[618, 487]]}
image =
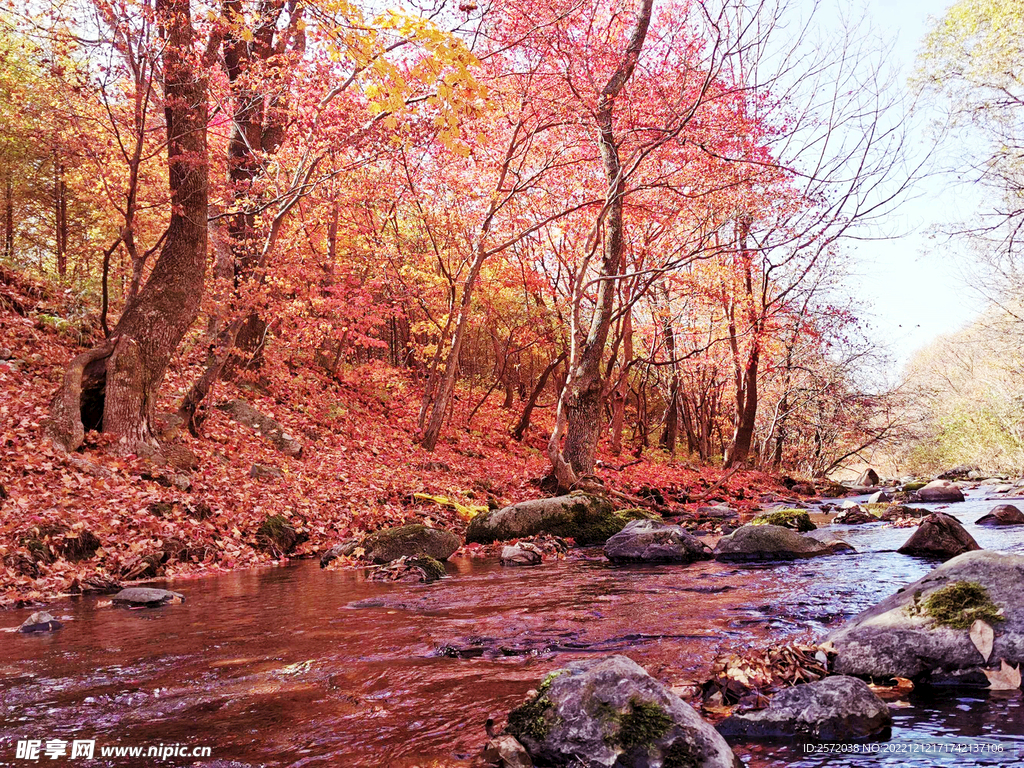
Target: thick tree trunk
{"points": [[746, 416], [126, 379], [580, 405]]}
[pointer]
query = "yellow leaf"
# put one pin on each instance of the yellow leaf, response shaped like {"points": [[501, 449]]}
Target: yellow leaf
{"points": [[982, 635], [1006, 678]]}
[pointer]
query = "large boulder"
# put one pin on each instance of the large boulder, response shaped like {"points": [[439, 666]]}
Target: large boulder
{"points": [[389, 544], [767, 542], [1004, 514], [939, 535], [924, 628], [940, 491], [609, 713], [645, 541], [833, 709], [589, 520], [868, 478]]}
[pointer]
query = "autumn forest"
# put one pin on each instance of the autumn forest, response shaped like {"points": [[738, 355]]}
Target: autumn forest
{"points": [[427, 293]]}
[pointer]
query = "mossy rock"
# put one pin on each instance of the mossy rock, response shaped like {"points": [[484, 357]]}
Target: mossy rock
{"points": [[797, 519], [917, 485], [589, 520], [960, 604], [433, 569], [413, 540], [277, 535]]}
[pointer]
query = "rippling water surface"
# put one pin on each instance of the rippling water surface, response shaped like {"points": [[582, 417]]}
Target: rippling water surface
{"points": [[296, 666]]}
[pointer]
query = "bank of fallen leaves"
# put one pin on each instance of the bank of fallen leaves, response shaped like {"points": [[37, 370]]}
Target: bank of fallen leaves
{"points": [[359, 471]]}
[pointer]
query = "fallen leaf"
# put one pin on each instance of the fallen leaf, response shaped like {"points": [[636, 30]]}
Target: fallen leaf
{"points": [[1006, 678], [982, 635]]}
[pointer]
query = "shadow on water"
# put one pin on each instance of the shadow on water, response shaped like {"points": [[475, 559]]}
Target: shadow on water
{"points": [[295, 666]]}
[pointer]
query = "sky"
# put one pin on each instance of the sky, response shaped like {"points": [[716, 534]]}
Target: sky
{"points": [[913, 286]]}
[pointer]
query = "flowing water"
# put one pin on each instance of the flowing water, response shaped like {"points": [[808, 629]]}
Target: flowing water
{"points": [[295, 666]]}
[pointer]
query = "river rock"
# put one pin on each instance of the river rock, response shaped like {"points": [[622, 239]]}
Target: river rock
{"points": [[837, 708], [898, 638], [505, 751], [40, 621], [939, 535], [854, 515], [1004, 514], [588, 519], [148, 597], [344, 549], [645, 541], [831, 539], [940, 491], [868, 478], [960, 472], [390, 544], [717, 512], [880, 497], [421, 569], [523, 553], [767, 542], [608, 712]]}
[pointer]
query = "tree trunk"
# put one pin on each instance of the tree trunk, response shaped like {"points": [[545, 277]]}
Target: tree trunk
{"points": [[60, 210], [122, 384], [579, 407], [8, 218], [524, 421]]}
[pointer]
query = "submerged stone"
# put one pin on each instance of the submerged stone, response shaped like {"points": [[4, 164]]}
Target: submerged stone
{"points": [[148, 597]]}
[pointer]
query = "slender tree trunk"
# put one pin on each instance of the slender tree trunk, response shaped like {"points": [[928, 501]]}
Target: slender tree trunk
{"points": [[60, 210], [579, 415], [621, 391], [524, 421], [8, 218], [122, 384]]}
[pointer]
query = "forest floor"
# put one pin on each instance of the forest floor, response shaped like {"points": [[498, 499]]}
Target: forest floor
{"points": [[94, 519]]}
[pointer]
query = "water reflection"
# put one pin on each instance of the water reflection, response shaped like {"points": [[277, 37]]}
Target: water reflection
{"points": [[401, 675]]}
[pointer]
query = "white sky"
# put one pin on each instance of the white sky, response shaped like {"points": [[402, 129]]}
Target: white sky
{"points": [[914, 285]]}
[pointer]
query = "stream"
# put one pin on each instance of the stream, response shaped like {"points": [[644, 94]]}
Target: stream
{"points": [[295, 666]]}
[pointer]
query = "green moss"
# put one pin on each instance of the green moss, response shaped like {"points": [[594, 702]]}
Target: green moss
{"points": [[433, 568], [877, 508], [797, 519], [959, 604], [642, 725], [914, 486], [533, 719], [680, 754], [276, 534], [636, 513]]}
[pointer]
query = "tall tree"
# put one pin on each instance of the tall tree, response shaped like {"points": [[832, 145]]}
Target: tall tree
{"points": [[114, 386]]}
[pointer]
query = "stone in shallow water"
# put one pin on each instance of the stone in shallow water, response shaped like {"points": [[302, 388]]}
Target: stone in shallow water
{"points": [[939, 535], [899, 637], [40, 621], [1004, 514], [941, 491], [148, 597], [645, 541], [767, 542], [834, 709], [610, 712], [520, 554]]}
